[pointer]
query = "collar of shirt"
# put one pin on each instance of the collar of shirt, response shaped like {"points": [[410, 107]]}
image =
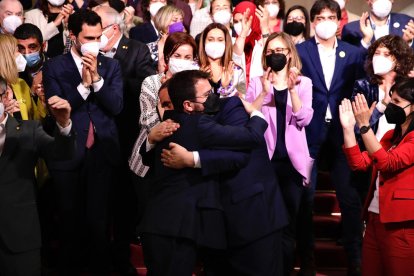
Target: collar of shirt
{"points": [[3, 123], [380, 31], [111, 53], [153, 25], [78, 60], [322, 48]]}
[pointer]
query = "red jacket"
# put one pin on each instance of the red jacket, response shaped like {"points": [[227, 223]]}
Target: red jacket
{"points": [[396, 178]]}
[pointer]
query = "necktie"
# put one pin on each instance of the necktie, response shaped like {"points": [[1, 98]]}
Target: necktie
{"points": [[90, 140]]}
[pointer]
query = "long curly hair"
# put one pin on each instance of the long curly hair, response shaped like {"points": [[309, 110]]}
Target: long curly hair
{"points": [[399, 49]]}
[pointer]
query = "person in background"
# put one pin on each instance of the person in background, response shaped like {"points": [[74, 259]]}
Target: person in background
{"points": [[11, 16], [169, 19], [215, 55], [51, 18], [388, 245], [286, 101], [297, 24], [21, 144], [276, 13], [147, 32], [378, 22], [333, 66], [346, 16]]}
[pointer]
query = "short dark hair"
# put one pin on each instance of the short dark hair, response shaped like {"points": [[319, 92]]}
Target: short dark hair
{"points": [[77, 19], [174, 41], [320, 5], [182, 87], [398, 47], [27, 30]]}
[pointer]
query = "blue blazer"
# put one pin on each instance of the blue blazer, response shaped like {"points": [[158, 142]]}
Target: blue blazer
{"points": [[251, 197], [144, 33], [348, 67], [351, 32], [61, 77]]}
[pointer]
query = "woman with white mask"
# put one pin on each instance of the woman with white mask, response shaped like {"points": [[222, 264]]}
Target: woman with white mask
{"points": [[51, 18], [276, 11], [215, 54], [388, 59]]}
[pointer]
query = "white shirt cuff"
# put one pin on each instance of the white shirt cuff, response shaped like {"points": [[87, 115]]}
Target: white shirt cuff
{"points": [[149, 146], [257, 113], [381, 107], [196, 157], [98, 85], [83, 91], [65, 131], [365, 45]]}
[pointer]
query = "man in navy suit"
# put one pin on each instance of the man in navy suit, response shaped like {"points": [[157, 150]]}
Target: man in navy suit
{"points": [[254, 211], [184, 211], [379, 22], [93, 86], [333, 66]]}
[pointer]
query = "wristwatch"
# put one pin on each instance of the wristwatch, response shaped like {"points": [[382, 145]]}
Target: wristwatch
{"points": [[364, 129]]}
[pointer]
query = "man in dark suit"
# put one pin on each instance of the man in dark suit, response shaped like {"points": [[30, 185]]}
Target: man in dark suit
{"points": [[21, 144], [135, 60], [184, 211], [93, 85], [333, 66], [379, 22], [254, 211]]}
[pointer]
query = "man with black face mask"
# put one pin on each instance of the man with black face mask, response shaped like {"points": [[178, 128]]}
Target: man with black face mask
{"points": [[253, 210]]}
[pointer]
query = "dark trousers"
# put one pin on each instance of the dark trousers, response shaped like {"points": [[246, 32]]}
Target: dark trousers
{"points": [[168, 256], [82, 199], [262, 257], [348, 197], [291, 186], [19, 264]]}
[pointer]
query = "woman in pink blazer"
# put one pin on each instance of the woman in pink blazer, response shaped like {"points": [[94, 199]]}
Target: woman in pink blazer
{"points": [[285, 99]]}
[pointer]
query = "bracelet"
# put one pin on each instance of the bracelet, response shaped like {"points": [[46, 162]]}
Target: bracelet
{"points": [[97, 80]]}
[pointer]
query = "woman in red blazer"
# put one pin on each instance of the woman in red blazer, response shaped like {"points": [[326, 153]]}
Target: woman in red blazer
{"points": [[388, 247]]}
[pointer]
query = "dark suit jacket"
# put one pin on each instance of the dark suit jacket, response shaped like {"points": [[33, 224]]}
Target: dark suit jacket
{"points": [[184, 203], [144, 33], [351, 32], [348, 67], [25, 143], [135, 61], [251, 197], [61, 77]]}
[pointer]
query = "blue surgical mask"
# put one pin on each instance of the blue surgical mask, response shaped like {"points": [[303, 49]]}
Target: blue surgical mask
{"points": [[32, 59]]}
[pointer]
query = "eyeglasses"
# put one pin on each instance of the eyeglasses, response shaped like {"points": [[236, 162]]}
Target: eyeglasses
{"points": [[296, 18], [205, 95], [278, 50]]}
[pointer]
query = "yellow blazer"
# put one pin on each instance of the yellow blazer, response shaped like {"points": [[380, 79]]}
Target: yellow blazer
{"points": [[28, 108]]}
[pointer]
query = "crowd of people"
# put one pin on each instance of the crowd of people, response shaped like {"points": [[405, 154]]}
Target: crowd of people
{"points": [[196, 129]]}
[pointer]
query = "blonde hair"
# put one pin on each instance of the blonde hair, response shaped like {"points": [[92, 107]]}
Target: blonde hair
{"points": [[8, 67], [164, 16], [228, 52], [294, 57]]}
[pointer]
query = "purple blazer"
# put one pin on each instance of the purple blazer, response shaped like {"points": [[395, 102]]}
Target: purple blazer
{"points": [[295, 136]]}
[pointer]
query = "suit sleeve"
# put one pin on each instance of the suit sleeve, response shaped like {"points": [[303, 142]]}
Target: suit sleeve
{"points": [[221, 161]]}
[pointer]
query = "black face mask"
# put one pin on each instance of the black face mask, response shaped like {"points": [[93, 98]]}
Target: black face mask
{"points": [[395, 114], [294, 28], [212, 104], [276, 61]]}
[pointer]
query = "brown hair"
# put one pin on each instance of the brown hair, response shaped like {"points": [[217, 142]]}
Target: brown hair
{"points": [[228, 52], [399, 49], [174, 41], [8, 67], [294, 57]]}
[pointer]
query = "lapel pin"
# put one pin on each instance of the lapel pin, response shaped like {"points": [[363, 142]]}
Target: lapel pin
{"points": [[342, 54], [396, 25], [100, 63], [124, 47], [18, 128]]}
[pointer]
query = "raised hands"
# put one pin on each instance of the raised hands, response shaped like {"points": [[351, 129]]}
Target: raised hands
{"points": [[408, 32], [293, 78], [227, 74], [64, 14], [89, 69], [246, 23], [60, 109], [177, 157], [346, 115], [366, 29], [267, 80], [362, 111], [263, 16], [162, 130]]}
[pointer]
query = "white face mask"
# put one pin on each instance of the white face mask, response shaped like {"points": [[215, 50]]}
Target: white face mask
{"points": [[215, 49], [56, 3], [326, 29], [90, 47], [382, 65], [382, 8], [20, 63], [176, 65], [222, 17], [155, 7], [341, 3], [273, 10], [10, 23], [238, 28]]}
